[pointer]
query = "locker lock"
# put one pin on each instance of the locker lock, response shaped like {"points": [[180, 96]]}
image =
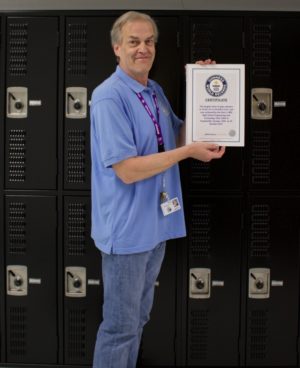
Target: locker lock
{"points": [[259, 283], [75, 282], [199, 283], [19, 105], [76, 102], [261, 103], [17, 101], [77, 105], [17, 280]]}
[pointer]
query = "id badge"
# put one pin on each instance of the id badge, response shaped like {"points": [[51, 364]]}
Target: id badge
{"points": [[170, 206]]}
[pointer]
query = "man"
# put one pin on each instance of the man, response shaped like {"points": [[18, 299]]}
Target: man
{"points": [[135, 183]]}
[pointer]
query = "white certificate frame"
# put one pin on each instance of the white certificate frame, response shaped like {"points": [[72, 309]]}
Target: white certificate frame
{"points": [[215, 104]]}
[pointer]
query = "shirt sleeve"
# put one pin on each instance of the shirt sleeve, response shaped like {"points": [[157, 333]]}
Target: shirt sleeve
{"points": [[113, 131]]}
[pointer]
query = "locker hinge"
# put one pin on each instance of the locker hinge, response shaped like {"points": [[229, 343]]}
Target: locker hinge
{"points": [[58, 39], [178, 40], [243, 40]]}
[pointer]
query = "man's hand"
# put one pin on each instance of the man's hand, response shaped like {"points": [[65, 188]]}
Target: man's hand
{"points": [[205, 62], [205, 151]]}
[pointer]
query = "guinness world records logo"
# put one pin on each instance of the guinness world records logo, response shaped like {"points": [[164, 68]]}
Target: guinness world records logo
{"points": [[216, 85]]}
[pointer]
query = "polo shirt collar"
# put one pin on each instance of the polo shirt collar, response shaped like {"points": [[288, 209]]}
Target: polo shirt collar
{"points": [[132, 83]]}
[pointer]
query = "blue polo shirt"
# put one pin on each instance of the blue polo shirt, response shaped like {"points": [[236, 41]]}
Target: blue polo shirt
{"points": [[127, 218]]}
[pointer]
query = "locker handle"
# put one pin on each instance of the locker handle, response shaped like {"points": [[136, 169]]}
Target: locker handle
{"points": [[35, 103]]}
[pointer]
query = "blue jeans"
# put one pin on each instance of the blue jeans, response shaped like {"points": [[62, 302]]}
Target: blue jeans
{"points": [[129, 282]]}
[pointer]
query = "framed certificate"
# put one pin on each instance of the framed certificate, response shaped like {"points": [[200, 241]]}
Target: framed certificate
{"points": [[215, 104]]}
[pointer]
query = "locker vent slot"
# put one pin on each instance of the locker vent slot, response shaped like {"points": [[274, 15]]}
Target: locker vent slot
{"points": [[77, 333], [258, 334], [18, 331], [76, 156], [77, 49], [16, 155], [200, 231], [17, 49], [201, 41], [262, 50], [260, 230], [261, 158], [200, 173], [198, 345], [77, 229], [17, 228]]}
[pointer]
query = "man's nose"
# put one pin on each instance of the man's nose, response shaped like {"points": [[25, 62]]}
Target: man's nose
{"points": [[142, 47]]}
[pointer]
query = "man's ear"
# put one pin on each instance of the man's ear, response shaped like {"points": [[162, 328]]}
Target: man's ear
{"points": [[116, 49]]}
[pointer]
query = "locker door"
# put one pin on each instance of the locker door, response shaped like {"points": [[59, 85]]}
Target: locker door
{"points": [[221, 39], [275, 118], [214, 251], [83, 286], [89, 60], [2, 251], [273, 291], [30, 125], [31, 297]]}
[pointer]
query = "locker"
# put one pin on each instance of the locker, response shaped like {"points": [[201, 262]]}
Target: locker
{"points": [[31, 103], [31, 296], [89, 60], [214, 262], [220, 39], [2, 252], [82, 283], [2, 285], [272, 304], [272, 131]]}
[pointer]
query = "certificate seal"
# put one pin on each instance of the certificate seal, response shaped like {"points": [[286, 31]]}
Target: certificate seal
{"points": [[216, 85]]}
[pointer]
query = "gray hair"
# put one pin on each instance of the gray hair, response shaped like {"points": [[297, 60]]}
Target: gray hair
{"points": [[131, 16]]}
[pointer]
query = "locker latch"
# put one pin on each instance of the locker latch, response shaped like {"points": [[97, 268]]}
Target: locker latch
{"points": [[200, 283], [259, 283], [75, 282], [261, 103], [17, 102], [76, 102], [17, 280]]}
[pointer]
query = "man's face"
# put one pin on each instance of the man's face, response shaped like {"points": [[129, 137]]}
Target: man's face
{"points": [[136, 50]]}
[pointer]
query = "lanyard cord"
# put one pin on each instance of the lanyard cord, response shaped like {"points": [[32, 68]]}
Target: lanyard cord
{"points": [[158, 132]]}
